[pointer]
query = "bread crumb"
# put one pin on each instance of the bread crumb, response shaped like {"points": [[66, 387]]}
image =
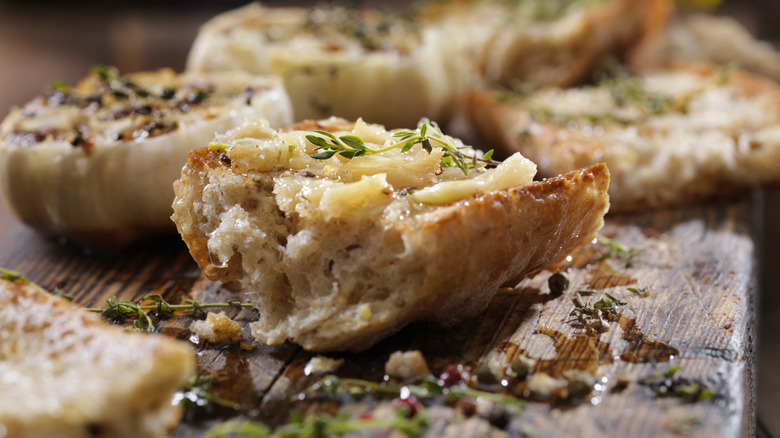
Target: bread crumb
{"points": [[407, 365], [321, 365], [542, 385], [216, 328]]}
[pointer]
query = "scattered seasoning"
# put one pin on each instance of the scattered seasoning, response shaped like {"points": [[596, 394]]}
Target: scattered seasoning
{"points": [[666, 384], [168, 93], [603, 310], [643, 292], [617, 249], [248, 93], [558, 283], [197, 95]]}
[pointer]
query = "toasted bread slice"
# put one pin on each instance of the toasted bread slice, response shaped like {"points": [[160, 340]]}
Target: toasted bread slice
{"points": [[338, 61], [65, 373], [668, 137], [706, 38], [96, 162], [540, 42], [338, 253]]}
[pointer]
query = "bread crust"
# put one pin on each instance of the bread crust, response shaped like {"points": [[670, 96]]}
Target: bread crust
{"points": [[353, 282], [66, 373], [654, 181]]}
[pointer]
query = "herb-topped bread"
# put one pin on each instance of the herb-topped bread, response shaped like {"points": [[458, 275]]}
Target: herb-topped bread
{"points": [[96, 162], [342, 232], [348, 62], [65, 373], [539, 42], [668, 137]]}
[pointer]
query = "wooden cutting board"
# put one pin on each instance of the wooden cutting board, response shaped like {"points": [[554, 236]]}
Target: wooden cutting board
{"points": [[697, 264]]}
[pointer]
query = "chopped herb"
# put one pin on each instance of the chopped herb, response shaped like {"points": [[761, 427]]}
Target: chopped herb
{"points": [[617, 249], [667, 385], [603, 310], [643, 292], [671, 371], [59, 85], [104, 72], [197, 95], [168, 93], [558, 283]]}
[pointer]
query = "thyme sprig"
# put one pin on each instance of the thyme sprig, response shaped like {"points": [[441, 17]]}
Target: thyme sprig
{"points": [[429, 388], [320, 426], [18, 277], [428, 135], [117, 309]]}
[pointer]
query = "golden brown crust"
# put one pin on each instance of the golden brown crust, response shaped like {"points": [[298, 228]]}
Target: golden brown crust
{"points": [[493, 240], [510, 127]]}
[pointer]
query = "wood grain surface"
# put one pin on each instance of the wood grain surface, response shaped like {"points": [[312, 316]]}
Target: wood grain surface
{"points": [[698, 264]]}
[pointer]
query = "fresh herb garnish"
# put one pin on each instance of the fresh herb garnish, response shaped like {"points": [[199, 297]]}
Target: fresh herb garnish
{"points": [[320, 426], [117, 310], [429, 388], [428, 135], [617, 249], [17, 277], [120, 87]]}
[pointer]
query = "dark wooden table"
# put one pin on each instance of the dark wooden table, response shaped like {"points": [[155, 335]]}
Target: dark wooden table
{"points": [[698, 264]]}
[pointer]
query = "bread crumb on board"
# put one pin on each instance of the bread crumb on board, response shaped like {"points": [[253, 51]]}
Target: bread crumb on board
{"points": [[407, 365], [216, 328], [322, 365]]}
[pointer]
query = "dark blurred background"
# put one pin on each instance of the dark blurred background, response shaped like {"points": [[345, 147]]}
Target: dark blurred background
{"points": [[41, 41]]}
